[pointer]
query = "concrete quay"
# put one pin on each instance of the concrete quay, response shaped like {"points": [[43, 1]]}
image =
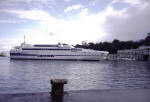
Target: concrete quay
{"points": [[130, 95]]}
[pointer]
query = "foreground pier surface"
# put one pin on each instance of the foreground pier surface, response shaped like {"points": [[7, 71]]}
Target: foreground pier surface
{"points": [[136, 95]]}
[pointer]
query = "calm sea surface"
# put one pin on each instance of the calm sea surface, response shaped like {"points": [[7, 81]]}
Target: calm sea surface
{"points": [[25, 76]]}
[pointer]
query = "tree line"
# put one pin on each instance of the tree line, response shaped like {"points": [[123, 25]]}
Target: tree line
{"points": [[116, 44]]}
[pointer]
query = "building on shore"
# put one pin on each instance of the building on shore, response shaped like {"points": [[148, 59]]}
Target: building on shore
{"points": [[142, 53]]}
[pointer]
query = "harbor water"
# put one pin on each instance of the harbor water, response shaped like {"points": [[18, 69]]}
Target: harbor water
{"points": [[28, 76]]}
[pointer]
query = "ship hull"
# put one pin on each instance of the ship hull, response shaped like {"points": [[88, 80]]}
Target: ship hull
{"points": [[59, 57]]}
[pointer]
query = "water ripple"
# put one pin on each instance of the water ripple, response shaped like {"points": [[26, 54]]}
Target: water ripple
{"points": [[19, 76]]}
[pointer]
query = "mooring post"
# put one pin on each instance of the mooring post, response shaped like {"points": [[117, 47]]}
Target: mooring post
{"points": [[58, 86]]}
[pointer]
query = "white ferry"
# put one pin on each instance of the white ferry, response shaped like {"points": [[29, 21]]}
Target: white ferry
{"points": [[55, 52]]}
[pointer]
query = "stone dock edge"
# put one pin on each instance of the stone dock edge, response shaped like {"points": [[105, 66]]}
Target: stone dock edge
{"points": [[114, 95]]}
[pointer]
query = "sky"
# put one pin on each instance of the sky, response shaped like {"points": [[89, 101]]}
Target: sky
{"points": [[72, 21]]}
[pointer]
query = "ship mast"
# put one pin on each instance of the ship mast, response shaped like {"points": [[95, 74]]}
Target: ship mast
{"points": [[24, 39]]}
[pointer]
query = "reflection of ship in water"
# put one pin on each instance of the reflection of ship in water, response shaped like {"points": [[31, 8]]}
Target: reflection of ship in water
{"points": [[2, 54]]}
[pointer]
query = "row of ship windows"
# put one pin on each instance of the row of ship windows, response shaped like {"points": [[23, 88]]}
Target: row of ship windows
{"points": [[19, 54], [52, 49], [45, 55]]}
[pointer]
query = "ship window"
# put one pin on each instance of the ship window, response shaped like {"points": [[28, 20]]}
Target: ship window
{"points": [[45, 45], [43, 49], [45, 55]]}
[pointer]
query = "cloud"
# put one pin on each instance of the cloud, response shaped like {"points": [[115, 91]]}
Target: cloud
{"points": [[84, 27], [67, 0], [12, 21], [133, 25], [27, 4], [32, 14], [8, 43], [127, 23], [73, 7], [133, 2], [93, 2], [105, 25], [83, 12]]}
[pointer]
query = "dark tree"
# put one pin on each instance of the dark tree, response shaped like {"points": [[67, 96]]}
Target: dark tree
{"points": [[147, 39], [115, 45]]}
